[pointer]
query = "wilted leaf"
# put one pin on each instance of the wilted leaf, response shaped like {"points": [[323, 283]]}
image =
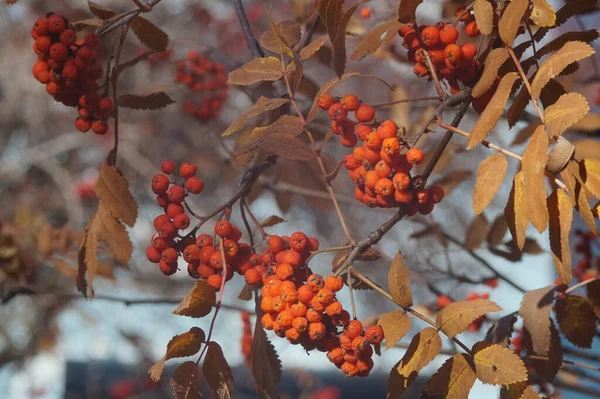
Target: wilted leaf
{"points": [[516, 109], [500, 332], [569, 108], [576, 320], [453, 380], [149, 34], [591, 175], [593, 295], [495, 59], [272, 221], [452, 179], [535, 310], [372, 41], [407, 10], [423, 348], [182, 345], [561, 217], [287, 49], [85, 23], [484, 16], [290, 31], [556, 63], [287, 147], [339, 43], [217, 372], [515, 211], [185, 383], [101, 11], [498, 231], [286, 125], [399, 282], [313, 47], [113, 191], [547, 365], [490, 175], [494, 110], [543, 14], [498, 365], [330, 12], [151, 101], [370, 255], [395, 326], [511, 19], [198, 302], [265, 364], [261, 106], [457, 316], [533, 166], [476, 232], [257, 70]]}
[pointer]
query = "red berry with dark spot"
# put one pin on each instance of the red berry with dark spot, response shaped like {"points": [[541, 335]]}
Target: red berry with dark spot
{"points": [[176, 194]]}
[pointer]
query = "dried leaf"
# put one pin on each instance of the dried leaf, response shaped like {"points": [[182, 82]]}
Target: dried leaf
{"points": [[500, 332], [593, 295], [591, 175], [85, 23], [265, 364], [395, 326], [561, 217], [515, 211], [286, 125], [548, 365], [543, 14], [370, 255], [569, 109], [339, 43], [113, 191], [272, 221], [535, 310], [586, 36], [149, 34], [373, 40], [151, 101], [476, 232], [556, 63], [484, 16], [185, 383], [452, 179], [290, 31], [423, 348], [287, 147], [258, 69], [494, 110], [407, 10], [589, 123], [298, 68], [399, 282], [490, 175], [330, 12], [515, 111], [101, 11], [198, 302], [457, 316], [217, 372], [182, 345], [511, 20], [495, 59], [576, 320], [498, 365], [453, 380], [533, 166], [498, 231], [261, 106]]}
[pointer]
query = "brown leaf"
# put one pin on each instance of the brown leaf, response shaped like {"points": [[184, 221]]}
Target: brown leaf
{"points": [[569, 109], [407, 10], [198, 302], [423, 348], [452, 179], [476, 232], [339, 43], [515, 211], [593, 295], [556, 63], [151, 101], [511, 20], [561, 217], [86, 23], [290, 31], [548, 365], [495, 59], [494, 110], [453, 380], [287, 147], [533, 166], [113, 191], [286, 125], [457, 316], [490, 175], [484, 16], [330, 12], [101, 11], [272, 221], [185, 383], [217, 372], [498, 365], [535, 310], [591, 175], [257, 70], [265, 364], [313, 47], [399, 282], [340, 258], [582, 194], [261, 106], [498, 231], [298, 68], [586, 36], [395, 326], [500, 332], [370, 255], [576, 320], [149, 34], [373, 40], [543, 14], [182, 345]]}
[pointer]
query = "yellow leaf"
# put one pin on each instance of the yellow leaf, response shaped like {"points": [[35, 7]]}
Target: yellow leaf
{"points": [[453, 380], [529, 393], [399, 282], [492, 65], [494, 110], [490, 175], [557, 62], [182, 345], [592, 175], [484, 16], [257, 70], [589, 123], [533, 166], [515, 211], [198, 302], [113, 191], [395, 326], [476, 232], [290, 31], [561, 217], [217, 372], [561, 115], [543, 14], [511, 19], [373, 40], [535, 311], [576, 320], [186, 383], [498, 365], [457, 316], [261, 106], [581, 193], [288, 125]]}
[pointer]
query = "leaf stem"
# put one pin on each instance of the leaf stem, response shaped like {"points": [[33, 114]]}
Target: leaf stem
{"points": [[525, 81]]}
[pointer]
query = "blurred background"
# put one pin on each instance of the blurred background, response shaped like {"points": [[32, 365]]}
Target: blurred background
{"points": [[54, 344]]}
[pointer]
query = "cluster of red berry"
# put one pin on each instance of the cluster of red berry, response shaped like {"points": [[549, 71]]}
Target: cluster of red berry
{"points": [[475, 326], [204, 76], [338, 110], [70, 71], [246, 342], [587, 267]]}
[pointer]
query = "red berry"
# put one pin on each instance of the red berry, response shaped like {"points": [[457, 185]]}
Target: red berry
{"points": [[68, 37], [153, 255], [176, 194], [160, 184], [56, 24], [168, 166], [167, 268], [174, 210], [92, 40], [83, 125], [43, 43], [105, 104], [181, 221], [187, 170], [169, 255], [59, 52], [41, 26], [195, 185], [100, 127]]}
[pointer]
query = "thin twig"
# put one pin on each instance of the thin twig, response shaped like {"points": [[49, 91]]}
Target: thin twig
{"points": [[525, 82], [256, 222], [581, 284], [406, 100]]}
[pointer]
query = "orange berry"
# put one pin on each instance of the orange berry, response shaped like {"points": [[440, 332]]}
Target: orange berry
{"points": [[371, 179], [334, 308], [298, 241], [315, 282], [374, 334], [365, 113], [316, 331], [430, 36], [266, 304], [404, 30], [223, 228], [349, 369], [305, 294], [448, 35], [313, 316], [279, 304], [334, 283], [215, 281], [401, 181], [421, 70], [292, 334], [373, 141], [365, 13], [384, 187], [353, 329], [299, 309], [472, 30], [453, 53], [284, 271], [300, 324], [351, 102], [349, 140], [276, 244], [415, 156], [336, 355], [364, 365], [372, 156], [337, 113], [325, 101], [285, 318], [316, 305], [460, 10], [383, 169], [267, 321], [387, 129], [443, 301], [359, 344], [289, 295], [252, 277], [325, 296], [391, 146], [362, 131], [468, 51]]}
